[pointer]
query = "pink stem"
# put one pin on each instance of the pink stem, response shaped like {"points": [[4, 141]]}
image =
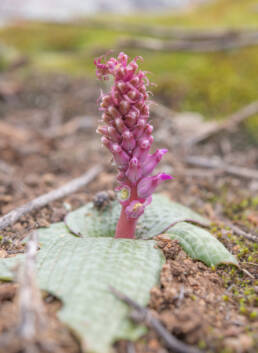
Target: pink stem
{"points": [[126, 226]]}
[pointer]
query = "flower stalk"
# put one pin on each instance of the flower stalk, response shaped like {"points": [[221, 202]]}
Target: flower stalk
{"points": [[127, 134]]}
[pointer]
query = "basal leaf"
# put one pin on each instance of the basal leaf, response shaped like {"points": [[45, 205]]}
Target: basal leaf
{"points": [[80, 270], [90, 222], [200, 244], [196, 241]]}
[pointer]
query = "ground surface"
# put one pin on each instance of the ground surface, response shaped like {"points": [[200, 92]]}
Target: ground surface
{"points": [[47, 137]]}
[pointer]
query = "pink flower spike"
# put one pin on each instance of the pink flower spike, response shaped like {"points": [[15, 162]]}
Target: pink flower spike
{"points": [[147, 185], [127, 135], [134, 172], [152, 161]]}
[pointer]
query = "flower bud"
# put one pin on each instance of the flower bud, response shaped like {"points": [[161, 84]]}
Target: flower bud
{"points": [[135, 209], [134, 172], [122, 87], [139, 128], [121, 178], [106, 101], [132, 94], [113, 134], [135, 81], [120, 156], [151, 161], [142, 150], [128, 142], [120, 125], [123, 194], [147, 185], [107, 118], [102, 130], [113, 112], [124, 107], [131, 119], [122, 58], [107, 143]]}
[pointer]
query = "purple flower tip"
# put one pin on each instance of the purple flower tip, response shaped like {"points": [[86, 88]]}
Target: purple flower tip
{"points": [[164, 176], [126, 132]]}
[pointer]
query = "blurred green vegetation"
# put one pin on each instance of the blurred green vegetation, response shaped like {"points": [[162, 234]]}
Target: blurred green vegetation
{"points": [[214, 84]]}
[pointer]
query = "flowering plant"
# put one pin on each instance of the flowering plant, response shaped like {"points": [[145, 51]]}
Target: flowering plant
{"points": [[128, 136]]}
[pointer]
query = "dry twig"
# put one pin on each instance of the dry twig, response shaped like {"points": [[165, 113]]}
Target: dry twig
{"points": [[32, 319], [41, 201], [228, 124], [142, 314], [217, 163], [238, 231], [32, 316]]}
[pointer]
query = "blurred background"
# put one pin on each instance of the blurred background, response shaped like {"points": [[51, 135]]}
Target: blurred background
{"points": [[65, 36], [202, 56]]}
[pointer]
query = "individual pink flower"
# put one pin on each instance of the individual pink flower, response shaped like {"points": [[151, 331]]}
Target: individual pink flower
{"points": [[127, 134]]}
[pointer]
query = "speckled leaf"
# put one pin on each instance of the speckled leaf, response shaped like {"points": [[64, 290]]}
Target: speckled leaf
{"points": [[80, 270], [196, 241], [162, 212], [200, 244]]}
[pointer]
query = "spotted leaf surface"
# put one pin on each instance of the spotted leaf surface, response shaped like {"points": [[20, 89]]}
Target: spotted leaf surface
{"points": [[90, 222], [196, 241], [79, 271]]}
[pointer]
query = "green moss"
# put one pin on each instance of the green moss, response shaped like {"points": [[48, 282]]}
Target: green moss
{"points": [[202, 344], [253, 315], [225, 298]]}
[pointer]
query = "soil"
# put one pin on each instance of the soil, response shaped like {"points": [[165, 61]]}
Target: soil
{"points": [[47, 137]]}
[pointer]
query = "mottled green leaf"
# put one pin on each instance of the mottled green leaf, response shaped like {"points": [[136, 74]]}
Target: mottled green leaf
{"points": [[90, 222], [197, 242], [80, 270]]}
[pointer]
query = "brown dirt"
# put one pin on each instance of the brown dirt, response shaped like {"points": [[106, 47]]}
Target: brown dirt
{"points": [[38, 153], [54, 338]]}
